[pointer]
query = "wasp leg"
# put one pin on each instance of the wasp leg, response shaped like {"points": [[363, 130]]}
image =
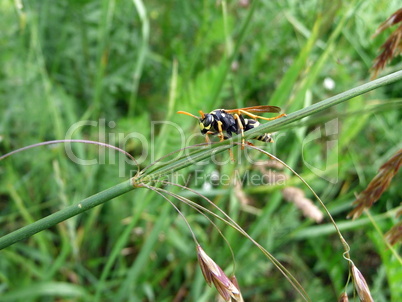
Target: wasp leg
{"points": [[260, 117], [207, 140], [220, 131], [241, 127], [222, 137]]}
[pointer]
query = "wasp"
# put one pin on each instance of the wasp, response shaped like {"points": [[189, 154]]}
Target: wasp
{"points": [[224, 123]]}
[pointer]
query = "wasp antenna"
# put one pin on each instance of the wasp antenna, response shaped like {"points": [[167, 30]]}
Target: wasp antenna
{"points": [[202, 114], [189, 114]]}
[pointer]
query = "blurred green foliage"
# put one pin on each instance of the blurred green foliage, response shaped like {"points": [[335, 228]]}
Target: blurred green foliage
{"points": [[109, 65]]}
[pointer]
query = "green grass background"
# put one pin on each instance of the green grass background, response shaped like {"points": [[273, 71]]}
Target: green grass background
{"points": [[128, 64]]}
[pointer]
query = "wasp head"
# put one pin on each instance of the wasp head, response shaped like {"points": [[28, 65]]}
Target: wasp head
{"points": [[205, 120], [206, 123]]}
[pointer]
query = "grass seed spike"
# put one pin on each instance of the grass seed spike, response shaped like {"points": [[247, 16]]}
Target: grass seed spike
{"points": [[223, 122]]}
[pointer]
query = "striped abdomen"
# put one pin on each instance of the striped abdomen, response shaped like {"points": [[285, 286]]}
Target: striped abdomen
{"points": [[251, 124], [266, 137]]}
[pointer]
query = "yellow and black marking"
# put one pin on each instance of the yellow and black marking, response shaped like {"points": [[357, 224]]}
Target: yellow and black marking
{"points": [[251, 124], [224, 123]]}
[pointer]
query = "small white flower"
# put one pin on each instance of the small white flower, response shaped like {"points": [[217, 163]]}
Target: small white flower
{"points": [[329, 83]]}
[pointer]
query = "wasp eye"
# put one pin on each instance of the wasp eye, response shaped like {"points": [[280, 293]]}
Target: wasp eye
{"points": [[208, 120]]}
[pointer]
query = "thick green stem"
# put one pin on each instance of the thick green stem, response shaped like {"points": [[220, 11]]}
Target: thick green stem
{"points": [[65, 213], [276, 125], [185, 161]]}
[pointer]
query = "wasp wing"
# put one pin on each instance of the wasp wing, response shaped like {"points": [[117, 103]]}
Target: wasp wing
{"points": [[260, 109]]}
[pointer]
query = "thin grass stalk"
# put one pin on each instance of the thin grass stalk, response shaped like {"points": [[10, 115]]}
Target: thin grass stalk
{"points": [[63, 141], [345, 244], [386, 242], [184, 200], [229, 221], [359, 281], [159, 160], [160, 193]]}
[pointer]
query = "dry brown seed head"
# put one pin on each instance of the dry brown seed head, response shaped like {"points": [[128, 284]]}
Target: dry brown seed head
{"points": [[214, 274], [377, 186], [343, 298], [394, 235], [392, 46], [392, 20], [361, 285], [240, 194], [309, 209], [235, 283]]}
